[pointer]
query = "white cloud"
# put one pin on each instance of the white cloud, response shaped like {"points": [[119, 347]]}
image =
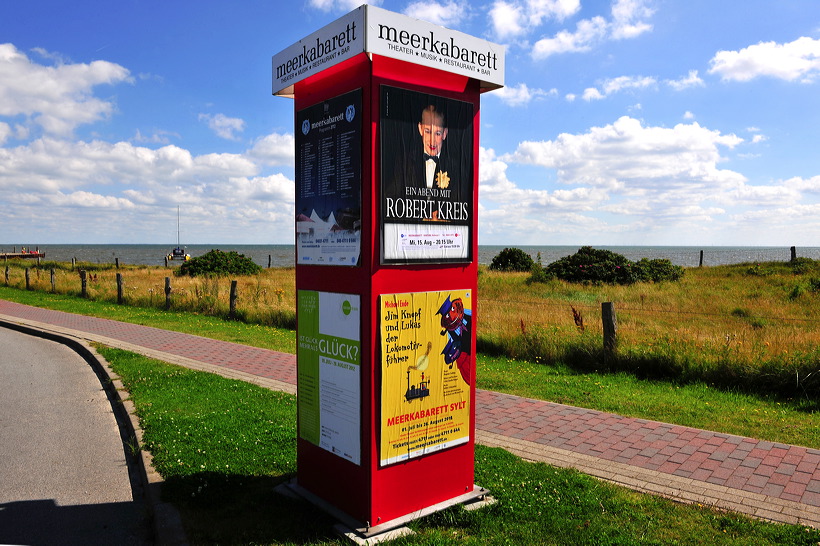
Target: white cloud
{"points": [[588, 33], [508, 19], [158, 137], [84, 199], [132, 187], [497, 189], [521, 94], [691, 80], [630, 182], [590, 94], [795, 61], [514, 18], [57, 98], [616, 85], [274, 149], [628, 18], [448, 14], [223, 126], [810, 185], [630, 157]]}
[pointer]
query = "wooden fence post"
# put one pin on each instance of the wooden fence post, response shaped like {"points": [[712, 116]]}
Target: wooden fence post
{"points": [[701, 259], [73, 263], [83, 283], [610, 326], [117, 262], [794, 253], [166, 261], [119, 288], [53, 282], [28, 279], [268, 261], [167, 293], [232, 312], [7, 275]]}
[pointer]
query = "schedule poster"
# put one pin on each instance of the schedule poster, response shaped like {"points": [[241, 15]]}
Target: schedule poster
{"points": [[329, 181], [427, 373], [427, 178], [329, 372]]}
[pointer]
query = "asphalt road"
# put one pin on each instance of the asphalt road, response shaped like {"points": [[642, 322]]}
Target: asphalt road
{"points": [[63, 472]]}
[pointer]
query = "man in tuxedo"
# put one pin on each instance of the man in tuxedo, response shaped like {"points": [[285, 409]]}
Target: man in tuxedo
{"points": [[427, 186], [433, 131], [429, 168]]}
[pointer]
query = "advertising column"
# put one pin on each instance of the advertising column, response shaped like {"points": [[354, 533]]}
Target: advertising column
{"points": [[386, 146]]}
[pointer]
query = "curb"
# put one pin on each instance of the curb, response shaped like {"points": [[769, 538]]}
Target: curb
{"points": [[167, 522]]}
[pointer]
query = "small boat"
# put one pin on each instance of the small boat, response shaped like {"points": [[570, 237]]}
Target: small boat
{"points": [[178, 254]]}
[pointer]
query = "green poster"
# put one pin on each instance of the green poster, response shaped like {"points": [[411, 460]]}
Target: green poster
{"points": [[329, 372]]}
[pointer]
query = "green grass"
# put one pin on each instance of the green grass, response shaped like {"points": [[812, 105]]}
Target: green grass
{"points": [[695, 405], [792, 421], [222, 445], [266, 337]]}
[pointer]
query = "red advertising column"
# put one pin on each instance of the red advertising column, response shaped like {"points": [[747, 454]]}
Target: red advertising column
{"points": [[387, 126]]}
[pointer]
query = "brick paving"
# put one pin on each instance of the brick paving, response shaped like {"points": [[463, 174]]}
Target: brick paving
{"points": [[768, 480]]}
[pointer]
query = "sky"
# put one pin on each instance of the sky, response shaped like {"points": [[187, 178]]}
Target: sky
{"points": [[622, 122]]}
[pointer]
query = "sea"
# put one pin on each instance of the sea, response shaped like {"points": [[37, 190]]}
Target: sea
{"points": [[284, 255]]}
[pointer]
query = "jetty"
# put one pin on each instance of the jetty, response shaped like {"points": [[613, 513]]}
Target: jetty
{"points": [[24, 253]]}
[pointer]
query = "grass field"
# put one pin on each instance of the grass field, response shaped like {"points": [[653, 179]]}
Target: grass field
{"points": [[685, 354], [223, 445]]}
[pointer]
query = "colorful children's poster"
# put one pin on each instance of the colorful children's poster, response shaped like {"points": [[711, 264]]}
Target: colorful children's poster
{"points": [[328, 365], [329, 181], [426, 177], [427, 372]]}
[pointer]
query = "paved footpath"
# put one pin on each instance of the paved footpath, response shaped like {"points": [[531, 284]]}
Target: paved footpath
{"points": [[771, 481]]}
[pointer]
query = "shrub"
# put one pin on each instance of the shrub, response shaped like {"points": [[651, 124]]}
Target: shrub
{"points": [[218, 263], [658, 270], [802, 266], [593, 266], [512, 259]]}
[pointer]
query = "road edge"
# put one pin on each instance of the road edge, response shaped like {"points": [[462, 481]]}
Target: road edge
{"points": [[166, 519]]}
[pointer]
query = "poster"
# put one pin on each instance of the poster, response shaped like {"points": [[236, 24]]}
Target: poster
{"points": [[329, 371], [329, 181], [427, 204], [427, 372]]}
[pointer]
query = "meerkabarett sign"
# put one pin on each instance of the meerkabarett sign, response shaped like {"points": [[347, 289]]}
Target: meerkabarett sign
{"points": [[374, 30]]}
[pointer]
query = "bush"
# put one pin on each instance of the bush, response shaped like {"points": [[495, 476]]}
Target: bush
{"points": [[512, 259], [218, 263], [592, 266], [658, 270], [803, 266]]}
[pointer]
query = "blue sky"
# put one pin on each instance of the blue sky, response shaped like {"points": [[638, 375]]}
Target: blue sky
{"points": [[623, 122]]}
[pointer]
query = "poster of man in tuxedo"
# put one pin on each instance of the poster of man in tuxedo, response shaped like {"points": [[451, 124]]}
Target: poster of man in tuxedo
{"points": [[426, 177]]}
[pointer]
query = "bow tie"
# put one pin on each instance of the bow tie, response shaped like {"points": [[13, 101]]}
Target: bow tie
{"points": [[433, 157]]}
